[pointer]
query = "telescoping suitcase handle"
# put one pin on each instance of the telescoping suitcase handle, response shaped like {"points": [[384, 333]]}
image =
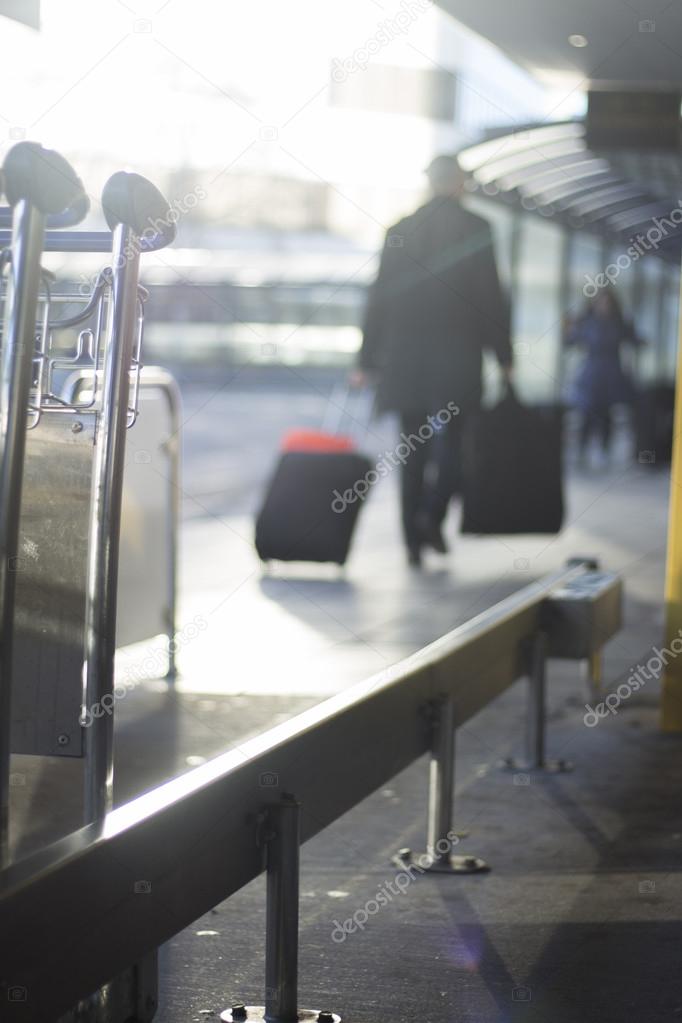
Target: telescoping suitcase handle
{"points": [[351, 405], [510, 393]]}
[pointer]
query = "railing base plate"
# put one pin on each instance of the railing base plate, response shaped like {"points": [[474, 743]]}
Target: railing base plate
{"points": [[256, 1014], [426, 864]]}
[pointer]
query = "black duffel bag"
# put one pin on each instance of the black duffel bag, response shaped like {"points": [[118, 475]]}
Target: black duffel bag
{"points": [[654, 416], [512, 469]]}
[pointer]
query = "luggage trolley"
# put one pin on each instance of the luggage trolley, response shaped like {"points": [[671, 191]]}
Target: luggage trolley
{"points": [[38, 183], [61, 470]]}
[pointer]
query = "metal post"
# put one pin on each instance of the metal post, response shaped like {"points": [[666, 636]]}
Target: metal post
{"points": [[440, 833], [105, 520], [281, 926], [16, 373], [536, 710], [172, 448], [593, 673], [535, 758], [441, 784]]}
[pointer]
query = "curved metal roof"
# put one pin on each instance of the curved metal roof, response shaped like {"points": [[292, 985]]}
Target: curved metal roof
{"points": [[622, 41], [548, 170], [26, 11]]}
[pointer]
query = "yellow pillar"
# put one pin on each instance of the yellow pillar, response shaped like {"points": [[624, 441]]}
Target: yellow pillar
{"points": [[671, 707]]}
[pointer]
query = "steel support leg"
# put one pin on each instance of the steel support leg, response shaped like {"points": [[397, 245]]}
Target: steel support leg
{"points": [[281, 922], [171, 449], [281, 927], [132, 996], [535, 758], [441, 836], [593, 674]]}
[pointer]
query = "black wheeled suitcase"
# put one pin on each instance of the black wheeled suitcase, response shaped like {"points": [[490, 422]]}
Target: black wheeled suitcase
{"points": [[512, 469], [311, 505]]}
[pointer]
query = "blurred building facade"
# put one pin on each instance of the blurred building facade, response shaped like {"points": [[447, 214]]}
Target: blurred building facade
{"points": [[286, 161]]}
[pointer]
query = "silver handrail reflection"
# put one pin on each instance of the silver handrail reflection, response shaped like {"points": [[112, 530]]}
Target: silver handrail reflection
{"points": [[16, 375]]}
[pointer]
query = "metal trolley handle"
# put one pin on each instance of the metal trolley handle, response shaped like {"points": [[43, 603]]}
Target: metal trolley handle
{"points": [[134, 201], [133, 208], [53, 221], [38, 183], [47, 181]]}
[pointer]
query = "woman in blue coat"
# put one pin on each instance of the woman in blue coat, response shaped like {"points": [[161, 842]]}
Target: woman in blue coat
{"points": [[601, 332]]}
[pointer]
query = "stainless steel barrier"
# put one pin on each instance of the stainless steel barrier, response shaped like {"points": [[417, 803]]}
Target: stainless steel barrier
{"points": [[150, 518], [196, 840], [148, 557], [61, 449]]}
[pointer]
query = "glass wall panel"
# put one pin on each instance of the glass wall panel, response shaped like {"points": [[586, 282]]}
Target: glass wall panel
{"points": [[647, 317], [670, 323], [536, 309], [585, 262], [501, 220]]}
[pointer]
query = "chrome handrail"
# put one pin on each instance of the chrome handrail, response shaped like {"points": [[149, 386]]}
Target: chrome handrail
{"points": [[179, 834]]}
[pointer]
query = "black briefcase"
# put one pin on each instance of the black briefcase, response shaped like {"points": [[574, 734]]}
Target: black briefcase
{"points": [[311, 506], [512, 469]]}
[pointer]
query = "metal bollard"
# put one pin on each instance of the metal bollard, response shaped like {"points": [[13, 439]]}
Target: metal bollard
{"points": [[441, 835], [281, 927]]}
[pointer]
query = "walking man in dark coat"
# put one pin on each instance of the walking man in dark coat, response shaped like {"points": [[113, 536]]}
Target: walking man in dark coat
{"points": [[435, 306]]}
